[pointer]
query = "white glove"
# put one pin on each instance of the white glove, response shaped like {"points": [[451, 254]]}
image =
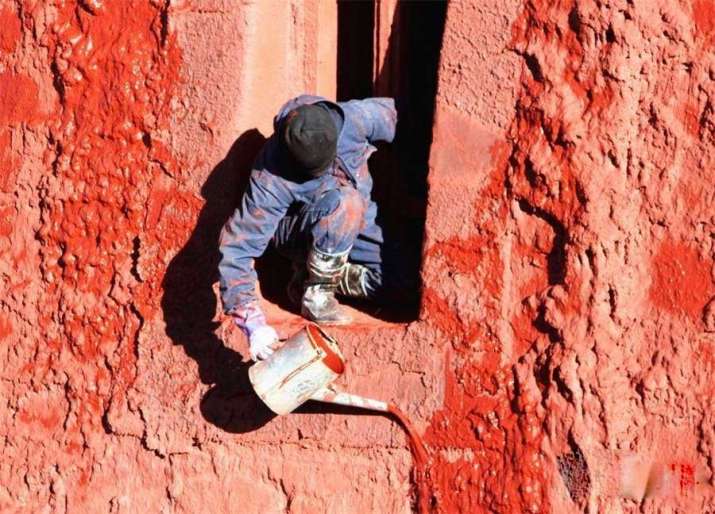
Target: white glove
{"points": [[262, 342]]}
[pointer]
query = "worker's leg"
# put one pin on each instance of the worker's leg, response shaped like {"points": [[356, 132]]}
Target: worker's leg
{"points": [[363, 277], [377, 269], [323, 234], [384, 268], [330, 224]]}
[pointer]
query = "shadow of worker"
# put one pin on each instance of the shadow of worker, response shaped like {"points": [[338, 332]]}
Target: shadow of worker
{"points": [[189, 302]]}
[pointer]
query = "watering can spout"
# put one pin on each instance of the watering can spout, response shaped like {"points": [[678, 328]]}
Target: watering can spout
{"points": [[330, 394]]}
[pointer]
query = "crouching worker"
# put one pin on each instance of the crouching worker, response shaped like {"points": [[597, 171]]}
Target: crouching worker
{"points": [[309, 196]]}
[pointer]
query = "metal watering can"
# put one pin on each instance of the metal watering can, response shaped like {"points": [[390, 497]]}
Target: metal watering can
{"points": [[303, 369]]}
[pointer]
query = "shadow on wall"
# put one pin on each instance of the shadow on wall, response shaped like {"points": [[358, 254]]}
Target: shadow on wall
{"points": [[189, 303]]}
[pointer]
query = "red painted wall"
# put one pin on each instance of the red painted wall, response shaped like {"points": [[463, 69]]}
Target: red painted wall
{"points": [[563, 352], [570, 277]]}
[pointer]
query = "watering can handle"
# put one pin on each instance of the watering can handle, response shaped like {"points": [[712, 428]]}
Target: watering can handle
{"points": [[330, 394]]}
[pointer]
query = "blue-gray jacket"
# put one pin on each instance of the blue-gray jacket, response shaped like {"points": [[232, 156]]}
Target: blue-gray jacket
{"points": [[270, 191]]}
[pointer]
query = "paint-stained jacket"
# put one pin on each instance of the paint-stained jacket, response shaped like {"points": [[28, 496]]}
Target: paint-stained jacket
{"points": [[271, 192]]}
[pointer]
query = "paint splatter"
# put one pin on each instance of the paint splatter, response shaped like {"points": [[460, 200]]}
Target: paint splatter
{"points": [[681, 279]]}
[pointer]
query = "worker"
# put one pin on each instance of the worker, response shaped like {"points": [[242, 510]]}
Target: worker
{"points": [[309, 196]]}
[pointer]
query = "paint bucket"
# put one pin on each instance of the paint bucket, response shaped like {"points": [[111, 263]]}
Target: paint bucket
{"points": [[304, 366]]}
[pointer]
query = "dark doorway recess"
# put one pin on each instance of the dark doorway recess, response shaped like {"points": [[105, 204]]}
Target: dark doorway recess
{"points": [[356, 22], [408, 73]]}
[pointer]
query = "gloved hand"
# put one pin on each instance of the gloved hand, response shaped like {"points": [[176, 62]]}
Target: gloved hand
{"points": [[262, 338], [263, 341]]}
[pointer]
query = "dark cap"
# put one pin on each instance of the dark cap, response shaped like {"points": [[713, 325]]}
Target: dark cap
{"points": [[310, 137]]}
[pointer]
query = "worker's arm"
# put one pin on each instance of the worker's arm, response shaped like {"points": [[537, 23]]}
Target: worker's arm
{"points": [[244, 238], [379, 118]]}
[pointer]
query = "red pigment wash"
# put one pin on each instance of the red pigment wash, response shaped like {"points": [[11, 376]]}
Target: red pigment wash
{"points": [[419, 452], [681, 279]]}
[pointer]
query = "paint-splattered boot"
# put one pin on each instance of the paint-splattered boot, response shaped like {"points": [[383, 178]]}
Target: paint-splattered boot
{"points": [[319, 303], [353, 282]]}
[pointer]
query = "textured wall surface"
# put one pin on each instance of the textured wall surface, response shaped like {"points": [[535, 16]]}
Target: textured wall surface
{"points": [[565, 340], [578, 301]]}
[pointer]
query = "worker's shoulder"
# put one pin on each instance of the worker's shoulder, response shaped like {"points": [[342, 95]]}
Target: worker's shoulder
{"points": [[266, 158], [267, 169], [269, 188], [362, 114], [368, 105]]}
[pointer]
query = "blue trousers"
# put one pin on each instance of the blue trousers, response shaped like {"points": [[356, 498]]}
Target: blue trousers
{"points": [[340, 219]]}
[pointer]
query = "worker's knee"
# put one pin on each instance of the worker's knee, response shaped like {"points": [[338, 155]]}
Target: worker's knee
{"points": [[326, 204], [353, 205], [339, 221], [342, 209]]}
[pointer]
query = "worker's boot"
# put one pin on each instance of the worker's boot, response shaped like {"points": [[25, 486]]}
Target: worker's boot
{"points": [[353, 282], [319, 303]]}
